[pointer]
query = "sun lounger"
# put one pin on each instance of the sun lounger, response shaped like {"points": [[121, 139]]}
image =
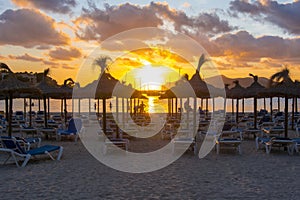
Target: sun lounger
{"points": [[28, 142], [183, 143], [74, 128], [273, 131], [268, 143], [229, 139], [253, 131], [296, 144], [120, 143], [12, 146]]}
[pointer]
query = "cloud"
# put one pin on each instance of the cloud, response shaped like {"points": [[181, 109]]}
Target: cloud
{"points": [[52, 64], [284, 15], [67, 67], [57, 6], [123, 45], [29, 28], [245, 46], [97, 24], [30, 58], [26, 57], [65, 54]]}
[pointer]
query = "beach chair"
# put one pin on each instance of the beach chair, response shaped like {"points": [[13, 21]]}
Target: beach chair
{"points": [[297, 128], [274, 131], [184, 143], [74, 128], [115, 142], [229, 139], [279, 142], [296, 144], [27, 143], [13, 147]]}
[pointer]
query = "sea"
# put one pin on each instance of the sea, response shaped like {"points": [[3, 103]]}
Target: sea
{"points": [[153, 105]]}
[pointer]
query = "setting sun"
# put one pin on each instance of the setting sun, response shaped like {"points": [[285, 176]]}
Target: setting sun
{"points": [[151, 77]]}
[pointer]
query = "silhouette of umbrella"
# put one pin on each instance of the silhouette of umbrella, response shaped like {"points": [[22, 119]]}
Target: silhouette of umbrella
{"points": [[285, 88], [12, 87], [254, 91], [104, 90], [48, 89], [65, 92], [237, 92], [199, 86]]}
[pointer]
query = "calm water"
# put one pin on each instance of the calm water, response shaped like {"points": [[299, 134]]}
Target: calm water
{"points": [[152, 105]]}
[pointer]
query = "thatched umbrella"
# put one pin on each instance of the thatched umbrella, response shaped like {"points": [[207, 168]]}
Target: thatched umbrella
{"points": [[66, 91], [255, 90], [48, 89], [284, 88], [237, 92], [12, 87], [201, 88], [104, 90]]}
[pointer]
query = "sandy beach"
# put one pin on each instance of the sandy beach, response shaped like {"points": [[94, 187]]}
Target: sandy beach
{"points": [[252, 175]]}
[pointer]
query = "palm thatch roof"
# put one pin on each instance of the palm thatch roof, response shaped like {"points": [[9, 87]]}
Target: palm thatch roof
{"points": [[255, 89], [11, 85], [237, 92]]}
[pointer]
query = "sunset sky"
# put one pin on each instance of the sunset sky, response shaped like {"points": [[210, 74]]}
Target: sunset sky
{"points": [[241, 36]]}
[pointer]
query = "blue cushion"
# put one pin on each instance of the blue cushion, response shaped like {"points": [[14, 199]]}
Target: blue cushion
{"points": [[42, 149], [264, 140]]}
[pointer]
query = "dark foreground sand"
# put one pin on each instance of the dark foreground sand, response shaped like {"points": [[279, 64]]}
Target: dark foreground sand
{"points": [[252, 175]]}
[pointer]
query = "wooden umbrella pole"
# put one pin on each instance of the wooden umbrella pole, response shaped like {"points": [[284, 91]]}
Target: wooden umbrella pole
{"points": [[255, 112], [213, 103], [123, 112], [6, 108], [278, 104], [206, 113], [61, 107], [98, 107], [194, 117], [168, 106], [232, 108], [293, 112], [271, 107], [117, 109], [237, 111], [104, 114], [89, 106], [39, 102], [65, 110], [176, 106], [243, 104], [24, 115], [10, 114], [180, 102], [48, 111], [45, 112], [188, 112], [296, 105], [30, 112], [286, 110], [79, 109]]}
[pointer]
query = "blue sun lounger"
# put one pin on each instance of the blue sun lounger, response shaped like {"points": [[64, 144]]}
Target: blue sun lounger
{"points": [[74, 128], [268, 143], [11, 146]]}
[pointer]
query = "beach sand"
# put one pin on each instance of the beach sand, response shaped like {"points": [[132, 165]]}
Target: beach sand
{"points": [[252, 175]]}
